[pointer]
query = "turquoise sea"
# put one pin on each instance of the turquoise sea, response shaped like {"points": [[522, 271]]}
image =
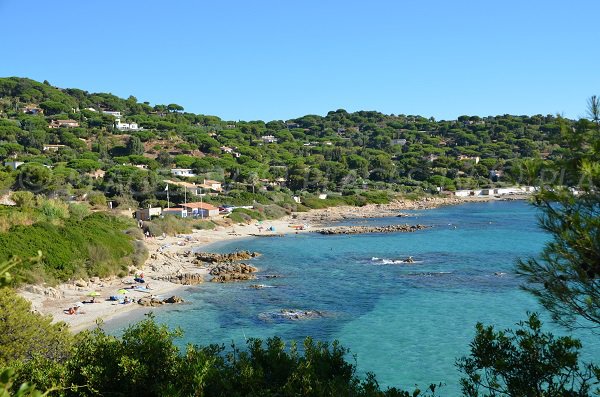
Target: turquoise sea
{"points": [[407, 323]]}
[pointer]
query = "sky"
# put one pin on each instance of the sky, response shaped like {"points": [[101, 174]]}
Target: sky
{"points": [[282, 59]]}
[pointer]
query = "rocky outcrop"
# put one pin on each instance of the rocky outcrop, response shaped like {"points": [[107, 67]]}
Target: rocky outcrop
{"points": [[291, 314], [152, 301], [174, 299], [211, 257], [371, 229], [232, 272], [183, 278], [44, 291]]}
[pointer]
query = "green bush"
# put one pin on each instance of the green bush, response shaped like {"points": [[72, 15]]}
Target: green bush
{"points": [[251, 213], [377, 196], [97, 199], [240, 217], [24, 334], [204, 225], [96, 241], [170, 225]]}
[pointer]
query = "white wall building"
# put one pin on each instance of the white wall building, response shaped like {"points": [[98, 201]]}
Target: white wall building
{"points": [[112, 113], [185, 172], [126, 126]]}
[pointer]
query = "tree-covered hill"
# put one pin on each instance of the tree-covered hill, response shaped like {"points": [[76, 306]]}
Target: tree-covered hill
{"points": [[341, 152]]}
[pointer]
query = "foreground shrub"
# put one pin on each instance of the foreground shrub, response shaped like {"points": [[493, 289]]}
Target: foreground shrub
{"points": [[525, 362], [25, 335], [86, 245], [146, 362]]}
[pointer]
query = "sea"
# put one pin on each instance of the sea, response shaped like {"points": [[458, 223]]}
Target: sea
{"points": [[405, 322]]}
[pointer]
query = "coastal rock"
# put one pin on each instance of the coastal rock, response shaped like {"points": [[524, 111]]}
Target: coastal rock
{"points": [[81, 283], [232, 272], [292, 314], [371, 229], [183, 278], [152, 301], [174, 299], [257, 286], [211, 257]]}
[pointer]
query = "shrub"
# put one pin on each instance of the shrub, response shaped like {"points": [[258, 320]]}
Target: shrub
{"points": [[275, 212], [97, 199], [240, 217], [171, 225], [69, 246], [23, 199], [204, 225], [79, 211], [24, 334], [53, 210]]}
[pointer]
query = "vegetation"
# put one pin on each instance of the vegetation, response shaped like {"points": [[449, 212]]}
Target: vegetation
{"points": [[75, 242], [354, 158], [24, 335], [565, 278], [526, 362], [348, 155], [146, 361]]}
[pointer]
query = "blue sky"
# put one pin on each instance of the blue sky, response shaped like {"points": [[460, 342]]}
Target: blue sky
{"points": [[279, 59]]}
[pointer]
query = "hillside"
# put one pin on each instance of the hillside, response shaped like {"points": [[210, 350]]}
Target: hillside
{"points": [[74, 142]]}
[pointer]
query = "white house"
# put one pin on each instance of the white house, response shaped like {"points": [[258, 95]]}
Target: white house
{"points": [[212, 185], [126, 126], [400, 141], [13, 164], [185, 172], [268, 139], [52, 148], [63, 123], [112, 113]]}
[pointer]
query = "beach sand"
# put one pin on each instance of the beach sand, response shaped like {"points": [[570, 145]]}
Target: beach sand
{"points": [[164, 261]]}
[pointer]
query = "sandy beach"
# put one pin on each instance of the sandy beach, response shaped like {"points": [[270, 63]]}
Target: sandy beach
{"points": [[165, 260]]}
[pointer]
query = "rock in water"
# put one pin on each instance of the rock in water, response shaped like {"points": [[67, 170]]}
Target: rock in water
{"points": [[371, 229], [230, 257], [173, 299]]}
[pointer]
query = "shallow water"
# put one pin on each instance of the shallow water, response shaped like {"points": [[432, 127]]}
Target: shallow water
{"points": [[407, 323]]}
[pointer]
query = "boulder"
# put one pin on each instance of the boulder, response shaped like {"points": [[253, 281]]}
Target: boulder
{"points": [[173, 299]]}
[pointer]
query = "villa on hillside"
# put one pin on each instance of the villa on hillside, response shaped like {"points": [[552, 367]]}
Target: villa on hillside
{"points": [[183, 172], [52, 148], [63, 123], [112, 113], [212, 185], [127, 126], [97, 174], [13, 164], [32, 109], [268, 139], [189, 187], [463, 157]]}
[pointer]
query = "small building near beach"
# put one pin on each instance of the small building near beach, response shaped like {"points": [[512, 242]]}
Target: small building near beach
{"points": [[177, 211], [146, 214], [201, 210]]}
